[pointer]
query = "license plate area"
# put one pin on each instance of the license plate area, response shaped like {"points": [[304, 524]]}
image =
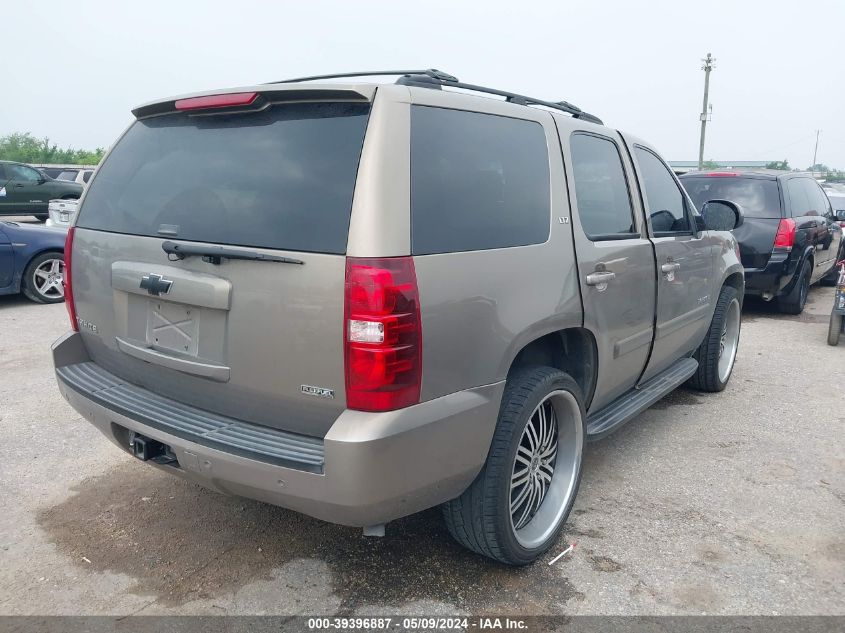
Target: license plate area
{"points": [[173, 327]]}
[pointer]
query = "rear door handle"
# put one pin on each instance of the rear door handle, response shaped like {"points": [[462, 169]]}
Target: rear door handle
{"points": [[600, 277], [670, 267]]}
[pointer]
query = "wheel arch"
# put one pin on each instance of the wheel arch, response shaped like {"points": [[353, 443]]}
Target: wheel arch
{"points": [[736, 280], [808, 255], [572, 350], [18, 281]]}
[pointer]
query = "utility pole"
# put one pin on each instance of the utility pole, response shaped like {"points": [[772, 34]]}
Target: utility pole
{"points": [[707, 67], [815, 153]]}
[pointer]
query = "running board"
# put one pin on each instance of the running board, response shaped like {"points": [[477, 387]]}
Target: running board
{"points": [[631, 404]]}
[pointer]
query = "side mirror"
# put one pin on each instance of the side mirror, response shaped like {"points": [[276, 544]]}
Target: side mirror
{"points": [[722, 215], [41, 179], [840, 215]]}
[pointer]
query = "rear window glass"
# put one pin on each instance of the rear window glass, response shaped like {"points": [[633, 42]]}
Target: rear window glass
{"points": [[282, 178], [478, 181], [758, 198], [66, 175]]}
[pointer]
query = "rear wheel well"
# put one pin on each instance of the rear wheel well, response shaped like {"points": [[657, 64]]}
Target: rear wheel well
{"points": [[572, 350], [735, 281]]}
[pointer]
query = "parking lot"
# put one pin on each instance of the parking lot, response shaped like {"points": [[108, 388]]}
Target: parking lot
{"points": [[725, 503]]}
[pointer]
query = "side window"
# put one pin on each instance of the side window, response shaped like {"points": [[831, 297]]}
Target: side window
{"points": [[819, 204], [478, 181], [86, 176], [666, 205], [3, 175], [601, 190], [23, 173], [798, 198]]}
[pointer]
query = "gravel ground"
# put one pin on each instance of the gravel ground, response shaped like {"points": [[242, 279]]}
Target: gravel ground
{"points": [[726, 503]]}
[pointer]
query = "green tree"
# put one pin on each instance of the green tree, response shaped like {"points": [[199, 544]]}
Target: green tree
{"points": [[782, 165], [25, 148], [819, 167], [710, 164]]}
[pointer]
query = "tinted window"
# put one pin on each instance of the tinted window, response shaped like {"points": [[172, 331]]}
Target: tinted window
{"points": [[22, 173], [818, 201], [601, 190], [837, 201], [281, 178], [478, 181], [67, 175], [87, 176], [758, 198], [798, 199], [664, 200]]}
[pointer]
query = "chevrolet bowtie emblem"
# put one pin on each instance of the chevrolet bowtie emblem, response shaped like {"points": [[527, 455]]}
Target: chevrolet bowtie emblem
{"points": [[156, 284]]}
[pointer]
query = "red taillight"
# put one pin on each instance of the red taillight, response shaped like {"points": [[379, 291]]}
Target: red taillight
{"points": [[216, 101], [66, 279], [382, 334], [785, 237], [721, 174]]}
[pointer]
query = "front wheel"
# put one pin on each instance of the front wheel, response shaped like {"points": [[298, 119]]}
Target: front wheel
{"points": [[515, 509], [834, 330], [717, 353]]}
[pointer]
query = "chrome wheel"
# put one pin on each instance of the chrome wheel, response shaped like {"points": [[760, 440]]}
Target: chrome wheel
{"points": [[47, 279], [729, 341], [545, 468]]}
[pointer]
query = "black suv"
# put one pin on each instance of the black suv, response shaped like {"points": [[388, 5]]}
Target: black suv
{"points": [[789, 240]]}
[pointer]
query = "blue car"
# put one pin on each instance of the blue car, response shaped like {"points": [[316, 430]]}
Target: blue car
{"points": [[31, 261]]}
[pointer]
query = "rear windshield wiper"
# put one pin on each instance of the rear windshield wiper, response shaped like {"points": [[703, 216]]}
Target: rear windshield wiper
{"points": [[214, 254]]}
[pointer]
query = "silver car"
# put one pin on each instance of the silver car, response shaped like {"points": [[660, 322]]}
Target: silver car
{"points": [[61, 212], [362, 300]]}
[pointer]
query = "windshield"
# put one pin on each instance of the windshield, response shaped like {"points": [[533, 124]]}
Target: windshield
{"points": [[758, 198], [282, 178]]}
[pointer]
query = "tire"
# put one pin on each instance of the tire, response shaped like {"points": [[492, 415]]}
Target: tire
{"points": [[834, 330], [481, 518], [793, 303], [41, 217], [714, 367], [44, 269]]}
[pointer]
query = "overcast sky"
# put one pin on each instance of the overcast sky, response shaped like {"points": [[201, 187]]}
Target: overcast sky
{"points": [[72, 71]]}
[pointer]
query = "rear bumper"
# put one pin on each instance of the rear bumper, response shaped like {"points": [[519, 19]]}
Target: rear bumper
{"points": [[773, 279], [369, 469]]}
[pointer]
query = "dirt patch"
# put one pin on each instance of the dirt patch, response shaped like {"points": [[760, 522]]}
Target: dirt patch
{"points": [[604, 563], [755, 309], [678, 397], [572, 530], [182, 542]]}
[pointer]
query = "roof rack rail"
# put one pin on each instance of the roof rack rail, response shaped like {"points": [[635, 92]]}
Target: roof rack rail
{"points": [[433, 78], [429, 72]]}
